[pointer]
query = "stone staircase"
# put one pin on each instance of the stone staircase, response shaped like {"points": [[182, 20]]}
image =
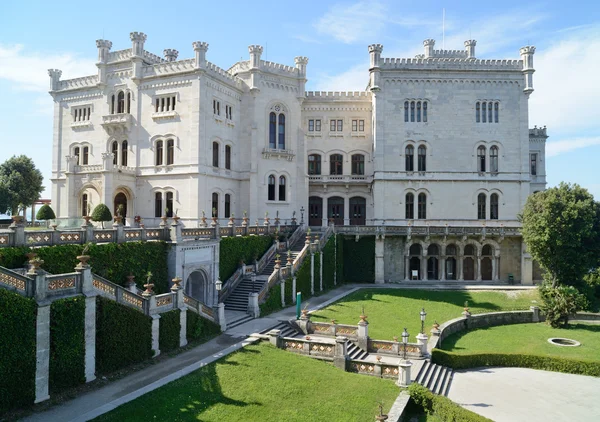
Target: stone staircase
{"points": [[235, 318], [296, 248], [238, 299], [435, 377], [354, 352], [287, 330]]}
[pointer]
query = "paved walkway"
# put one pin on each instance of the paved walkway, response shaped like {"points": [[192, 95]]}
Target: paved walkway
{"points": [[102, 400], [528, 395]]}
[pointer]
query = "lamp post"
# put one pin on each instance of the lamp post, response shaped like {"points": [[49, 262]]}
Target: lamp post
{"points": [[404, 341], [423, 314], [220, 305], [218, 285]]}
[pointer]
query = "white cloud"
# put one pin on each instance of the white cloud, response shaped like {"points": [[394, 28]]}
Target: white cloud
{"points": [[354, 79], [567, 145], [359, 21]]}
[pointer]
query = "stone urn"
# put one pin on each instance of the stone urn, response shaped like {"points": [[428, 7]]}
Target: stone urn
{"points": [[54, 226], [130, 281], [118, 219], [276, 221], [436, 326], [83, 260], [148, 291], [35, 263], [176, 219], [203, 221], [17, 219], [231, 222], [87, 219], [290, 260], [245, 222], [277, 262], [214, 222], [176, 284], [164, 220], [304, 314], [30, 255], [266, 223]]}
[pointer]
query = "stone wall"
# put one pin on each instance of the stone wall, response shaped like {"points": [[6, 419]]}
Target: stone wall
{"points": [[394, 258], [510, 258]]}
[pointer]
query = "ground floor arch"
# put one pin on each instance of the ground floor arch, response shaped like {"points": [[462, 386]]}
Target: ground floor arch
{"points": [[196, 286]]}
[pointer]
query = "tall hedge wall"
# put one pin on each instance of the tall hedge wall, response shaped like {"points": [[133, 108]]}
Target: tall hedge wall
{"points": [[17, 350], [339, 245], [67, 343], [113, 261], [329, 264], [198, 328], [273, 302], [232, 250], [169, 327], [317, 273], [123, 336], [359, 259], [303, 279]]}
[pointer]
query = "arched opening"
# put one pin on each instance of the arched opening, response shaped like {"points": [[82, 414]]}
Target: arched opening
{"points": [[196, 286], [469, 263], [120, 205], [451, 262], [415, 253], [486, 263], [315, 211], [433, 261], [335, 210], [358, 207]]}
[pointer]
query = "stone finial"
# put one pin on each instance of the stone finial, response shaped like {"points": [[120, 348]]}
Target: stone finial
{"points": [[470, 47], [170, 54], [137, 43], [200, 48], [429, 45], [176, 284], [255, 53], [54, 78], [301, 63]]}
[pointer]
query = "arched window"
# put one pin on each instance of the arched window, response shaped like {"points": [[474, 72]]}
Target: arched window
{"points": [[129, 102], [271, 192], [477, 111], [406, 111], [422, 158], [159, 153], [170, 151], [281, 140], [113, 104], [481, 159], [358, 164], [490, 113], [494, 206], [481, 198], [228, 157], [422, 206], [494, 159], [157, 105], [409, 206], [418, 111], [272, 130], [215, 154], [124, 153], [158, 208], [115, 151], [487, 250], [496, 112], [169, 204], [84, 204], [409, 158], [227, 205], [424, 111], [215, 204], [85, 158], [336, 164], [314, 164], [121, 102], [483, 112], [412, 111], [469, 250], [282, 188], [76, 154]]}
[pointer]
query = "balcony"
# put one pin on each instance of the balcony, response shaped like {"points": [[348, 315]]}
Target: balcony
{"points": [[340, 180], [84, 124], [116, 124], [164, 115], [273, 153]]}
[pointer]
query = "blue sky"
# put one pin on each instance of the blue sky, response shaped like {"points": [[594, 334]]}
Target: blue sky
{"points": [[37, 35]]}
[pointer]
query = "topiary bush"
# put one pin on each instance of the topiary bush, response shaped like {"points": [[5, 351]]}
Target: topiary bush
{"points": [[123, 336], [67, 343], [560, 302], [17, 350], [200, 329], [169, 328], [101, 213], [442, 407], [232, 250], [45, 213]]}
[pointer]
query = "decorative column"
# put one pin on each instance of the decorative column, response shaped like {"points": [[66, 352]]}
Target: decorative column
{"points": [[404, 373], [495, 266], [460, 267], [321, 270], [424, 266], [221, 316], [340, 356], [379, 259], [42, 352], [363, 332], [312, 271], [478, 267], [275, 338], [443, 267], [283, 292], [422, 342], [178, 293], [253, 308], [294, 289], [407, 268], [85, 273]]}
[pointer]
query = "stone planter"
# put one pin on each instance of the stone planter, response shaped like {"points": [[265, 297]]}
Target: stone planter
{"points": [[17, 219], [214, 222], [231, 222], [164, 220], [266, 223], [35, 263], [87, 219], [245, 222], [83, 260], [203, 222], [176, 219], [176, 284], [118, 219]]}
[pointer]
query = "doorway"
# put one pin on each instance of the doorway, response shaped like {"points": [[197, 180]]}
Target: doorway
{"points": [[357, 211], [315, 211]]}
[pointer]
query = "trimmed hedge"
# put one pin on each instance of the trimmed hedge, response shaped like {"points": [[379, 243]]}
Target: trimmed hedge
{"points": [[318, 274], [123, 336], [169, 329], [17, 350], [329, 264], [442, 407], [303, 279], [199, 328], [359, 259], [546, 363], [113, 261], [232, 250], [273, 302], [339, 245], [67, 343]]}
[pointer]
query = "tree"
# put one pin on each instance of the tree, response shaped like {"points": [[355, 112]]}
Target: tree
{"points": [[561, 227], [45, 213], [20, 184], [101, 213]]}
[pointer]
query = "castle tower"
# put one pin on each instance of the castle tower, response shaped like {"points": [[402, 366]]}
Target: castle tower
{"points": [[255, 53], [200, 48], [470, 47], [301, 63], [104, 47], [527, 57], [54, 78], [375, 57], [429, 44], [137, 43], [170, 54]]}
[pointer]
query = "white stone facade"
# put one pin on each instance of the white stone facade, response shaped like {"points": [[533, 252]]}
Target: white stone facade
{"points": [[142, 131]]}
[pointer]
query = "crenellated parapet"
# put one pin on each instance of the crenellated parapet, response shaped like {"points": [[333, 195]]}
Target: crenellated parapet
{"points": [[200, 49], [338, 96], [527, 53], [55, 75], [450, 63], [538, 133], [137, 43], [170, 54], [255, 53], [278, 68]]}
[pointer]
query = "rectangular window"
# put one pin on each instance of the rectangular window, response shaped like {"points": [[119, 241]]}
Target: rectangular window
{"points": [[82, 114], [311, 125], [216, 107], [361, 125], [332, 125], [340, 125], [317, 125], [533, 159], [164, 103], [354, 125]]}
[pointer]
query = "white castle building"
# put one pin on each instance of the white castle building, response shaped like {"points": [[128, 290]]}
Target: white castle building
{"points": [[436, 152]]}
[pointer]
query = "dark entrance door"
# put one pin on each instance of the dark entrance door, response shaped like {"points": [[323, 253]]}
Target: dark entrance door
{"points": [[469, 268], [486, 268], [315, 211], [121, 205], [357, 211], [335, 210], [450, 269], [432, 268], [415, 268]]}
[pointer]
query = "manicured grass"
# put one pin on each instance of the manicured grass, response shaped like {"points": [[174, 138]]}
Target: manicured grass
{"points": [[528, 339], [389, 311], [262, 383]]}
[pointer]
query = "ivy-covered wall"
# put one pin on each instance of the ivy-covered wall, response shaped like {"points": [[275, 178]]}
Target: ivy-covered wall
{"points": [[303, 278], [17, 351], [113, 261], [232, 250], [198, 328], [123, 336], [329, 264], [359, 259], [168, 331], [67, 343]]}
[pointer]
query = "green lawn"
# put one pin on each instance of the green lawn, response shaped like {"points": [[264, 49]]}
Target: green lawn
{"points": [[390, 310], [528, 339], [262, 383]]}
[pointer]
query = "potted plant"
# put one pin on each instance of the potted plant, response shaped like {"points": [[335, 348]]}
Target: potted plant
{"points": [[245, 219], [203, 219], [214, 217]]}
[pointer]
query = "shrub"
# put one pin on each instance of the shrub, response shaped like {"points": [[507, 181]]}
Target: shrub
{"points": [[13, 257], [339, 245], [359, 259], [560, 302], [303, 279], [17, 350], [123, 336], [45, 213], [169, 329], [546, 363], [273, 302], [101, 213], [232, 250], [442, 407], [329, 263], [67, 343], [199, 328]]}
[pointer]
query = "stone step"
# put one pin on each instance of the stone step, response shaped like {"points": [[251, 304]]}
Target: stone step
{"points": [[239, 321], [435, 377], [354, 352]]}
